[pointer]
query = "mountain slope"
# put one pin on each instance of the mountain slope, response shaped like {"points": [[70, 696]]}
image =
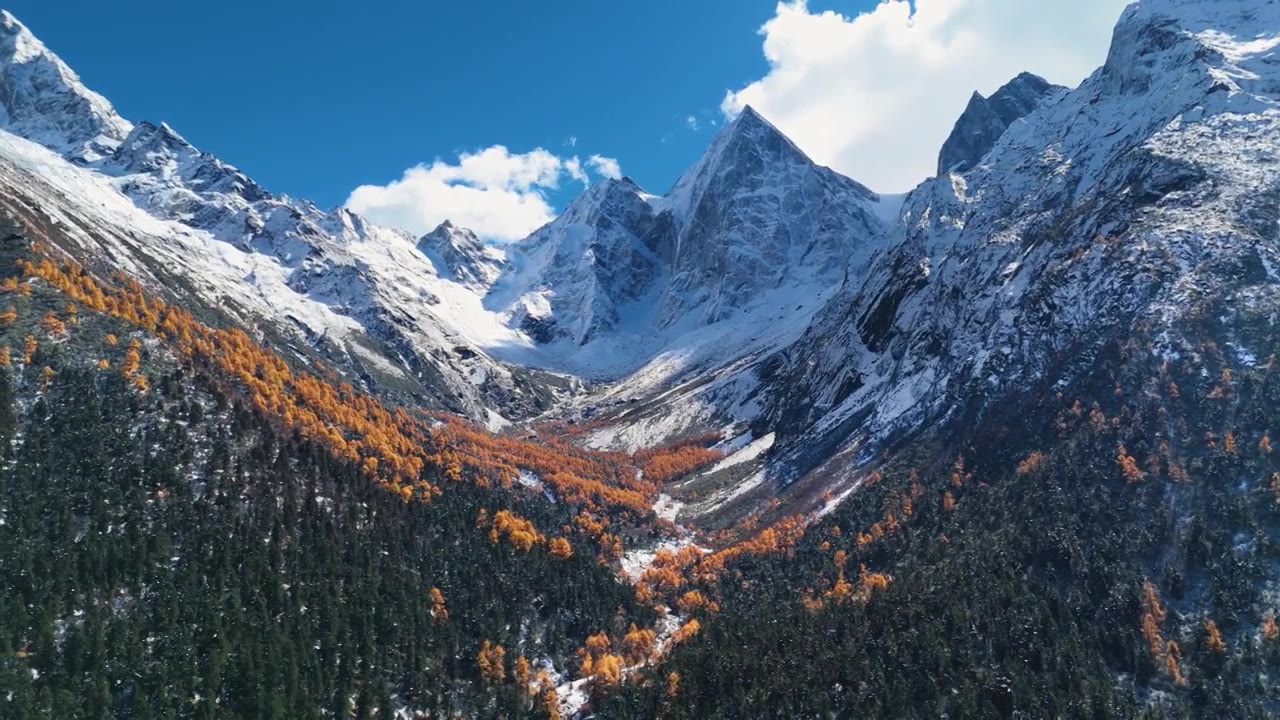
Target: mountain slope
{"points": [[366, 299], [1116, 206], [754, 217], [174, 543], [671, 301], [45, 101]]}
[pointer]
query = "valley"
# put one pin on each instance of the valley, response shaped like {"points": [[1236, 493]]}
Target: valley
{"points": [[767, 445]]}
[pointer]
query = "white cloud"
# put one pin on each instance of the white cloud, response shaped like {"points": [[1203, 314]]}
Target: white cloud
{"points": [[692, 122], [605, 166], [573, 166], [498, 194], [875, 95]]}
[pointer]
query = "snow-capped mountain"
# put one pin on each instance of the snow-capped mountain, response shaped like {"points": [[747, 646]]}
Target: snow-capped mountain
{"points": [[45, 101], [463, 256], [369, 299], [575, 276], [1127, 207], [763, 295], [753, 215]]}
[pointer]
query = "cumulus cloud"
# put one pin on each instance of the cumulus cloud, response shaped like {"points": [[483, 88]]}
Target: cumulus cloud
{"points": [[606, 166], [499, 194], [875, 95]]}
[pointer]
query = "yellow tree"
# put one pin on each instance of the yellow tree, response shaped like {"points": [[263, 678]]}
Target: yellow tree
{"points": [[560, 547], [490, 661], [637, 644], [1213, 637], [439, 612], [522, 670]]}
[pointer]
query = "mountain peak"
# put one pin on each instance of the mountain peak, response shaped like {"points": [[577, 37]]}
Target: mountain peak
{"points": [[748, 114], [985, 120], [43, 100], [750, 122], [749, 144], [459, 252]]}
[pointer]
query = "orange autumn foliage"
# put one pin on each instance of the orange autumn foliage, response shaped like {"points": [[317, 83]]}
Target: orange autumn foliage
{"points": [[549, 702], [29, 345], [1128, 466], [46, 377], [9, 315], [693, 601], [352, 425], [686, 631], [1213, 637], [595, 648], [5, 358], [608, 670], [671, 687], [439, 612], [519, 532], [1270, 628], [1031, 463], [132, 359], [1165, 654], [522, 670], [871, 581], [52, 324], [490, 661], [638, 644], [669, 462], [594, 481], [560, 547]]}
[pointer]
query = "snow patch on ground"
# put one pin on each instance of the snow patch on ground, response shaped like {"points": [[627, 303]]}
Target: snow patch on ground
{"points": [[667, 507], [753, 450]]}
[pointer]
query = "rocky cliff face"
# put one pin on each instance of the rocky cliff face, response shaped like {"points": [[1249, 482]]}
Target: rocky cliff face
{"points": [[986, 119], [45, 101], [1121, 208], [459, 253]]}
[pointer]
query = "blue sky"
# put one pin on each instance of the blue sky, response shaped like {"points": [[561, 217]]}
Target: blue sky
{"points": [[316, 99]]}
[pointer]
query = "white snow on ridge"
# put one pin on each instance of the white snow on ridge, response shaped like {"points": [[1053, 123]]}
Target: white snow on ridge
{"points": [[752, 451]]}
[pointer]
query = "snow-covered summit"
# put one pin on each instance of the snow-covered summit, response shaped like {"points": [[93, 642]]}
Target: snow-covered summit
{"points": [[44, 100], [1109, 211], [755, 213], [459, 253], [366, 298], [752, 221], [572, 278]]}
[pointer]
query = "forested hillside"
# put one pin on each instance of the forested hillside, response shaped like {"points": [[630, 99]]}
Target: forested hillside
{"points": [[1116, 560], [173, 549]]}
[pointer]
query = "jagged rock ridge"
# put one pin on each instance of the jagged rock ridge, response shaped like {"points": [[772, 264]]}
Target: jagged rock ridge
{"points": [[986, 119]]}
